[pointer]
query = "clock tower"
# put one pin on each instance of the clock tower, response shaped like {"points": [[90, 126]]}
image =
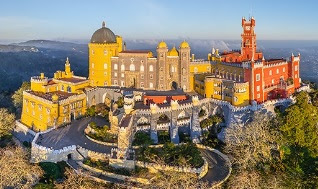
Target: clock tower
{"points": [[248, 45]]}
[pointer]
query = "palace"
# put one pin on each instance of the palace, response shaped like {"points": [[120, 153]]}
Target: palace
{"points": [[239, 77]]}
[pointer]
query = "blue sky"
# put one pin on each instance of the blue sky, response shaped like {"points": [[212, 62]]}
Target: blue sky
{"points": [[157, 19]]}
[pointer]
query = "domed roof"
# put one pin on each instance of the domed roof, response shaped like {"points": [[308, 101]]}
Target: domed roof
{"points": [[184, 44], [55, 97], [103, 35], [173, 52], [162, 44]]}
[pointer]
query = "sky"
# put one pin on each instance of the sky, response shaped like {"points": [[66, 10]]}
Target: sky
{"points": [[69, 20]]}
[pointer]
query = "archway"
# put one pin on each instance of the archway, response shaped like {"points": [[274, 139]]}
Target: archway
{"points": [[174, 85]]}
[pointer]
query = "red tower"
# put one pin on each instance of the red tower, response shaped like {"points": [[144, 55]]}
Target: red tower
{"points": [[248, 45]]}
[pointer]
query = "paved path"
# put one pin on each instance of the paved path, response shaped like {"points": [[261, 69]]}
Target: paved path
{"points": [[218, 169], [73, 135]]}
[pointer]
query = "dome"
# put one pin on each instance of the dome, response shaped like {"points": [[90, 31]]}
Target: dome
{"points": [[103, 35], [55, 97], [173, 52], [184, 44], [162, 44]]}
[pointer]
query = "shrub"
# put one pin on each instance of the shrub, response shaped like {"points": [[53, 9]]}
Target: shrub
{"points": [[142, 138]]}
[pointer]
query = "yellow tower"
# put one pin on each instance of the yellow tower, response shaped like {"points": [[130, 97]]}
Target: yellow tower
{"points": [[104, 44]]}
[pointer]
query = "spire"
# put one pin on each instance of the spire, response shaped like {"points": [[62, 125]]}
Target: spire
{"points": [[263, 58], [67, 61], [292, 54], [103, 24]]}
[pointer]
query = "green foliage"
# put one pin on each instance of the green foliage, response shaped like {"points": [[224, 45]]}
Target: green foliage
{"points": [[91, 111], [26, 144], [7, 122], [120, 102], [142, 138], [52, 171], [211, 121], [102, 133], [299, 124], [163, 137], [44, 186], [175, 155], [17, 97], [184, 137]]}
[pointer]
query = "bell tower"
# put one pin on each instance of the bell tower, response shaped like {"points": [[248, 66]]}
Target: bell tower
{"points": [[248, 45]]}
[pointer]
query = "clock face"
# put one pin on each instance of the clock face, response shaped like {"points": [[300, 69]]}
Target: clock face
{"points": [[248, 27]]}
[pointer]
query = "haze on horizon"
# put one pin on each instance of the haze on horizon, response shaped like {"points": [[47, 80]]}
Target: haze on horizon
{"points": [[164, 19]]}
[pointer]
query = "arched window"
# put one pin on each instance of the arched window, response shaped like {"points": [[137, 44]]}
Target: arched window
{"points": [[122, 67], [62, 88], [105, 66], [142, 68], [69, 89], [151, 68], [115, 67], [132, 67], [195, 70]]}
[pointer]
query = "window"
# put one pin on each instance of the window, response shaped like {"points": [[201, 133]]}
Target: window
{"points": [[41, 116], [115, 82], [142, 84], [270, 72], [122, 83], [40, 107], [122, 67], [141, 61], [151, 68], [132, 67], [258, 88], [115, 74], [142, 68], [115, 67], [105, 66], [62, 88], [258, 95], [273, 81], [105, 83], [122, 75], [277, 71], [105, 73], [258, 77], [69, 89], [296, 68], [142, 76], [195, 70], [296, 76], [173, 69], [161, 68], [93, 65], [151, 76], [105, 52], [150, 85], [284, 70]]}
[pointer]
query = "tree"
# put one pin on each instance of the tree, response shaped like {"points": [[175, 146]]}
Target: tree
{"points": [[7, 122], [252, 144], [142, 138], [15, 169], [17, 97], [300, 124]]}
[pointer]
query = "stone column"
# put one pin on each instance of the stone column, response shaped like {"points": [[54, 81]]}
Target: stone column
{"points": [[195, 129], [174, 135], [153, 129]]}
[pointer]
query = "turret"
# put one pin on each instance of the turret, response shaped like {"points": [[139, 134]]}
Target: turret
{"points": [[68, 72], [174, 104]]}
